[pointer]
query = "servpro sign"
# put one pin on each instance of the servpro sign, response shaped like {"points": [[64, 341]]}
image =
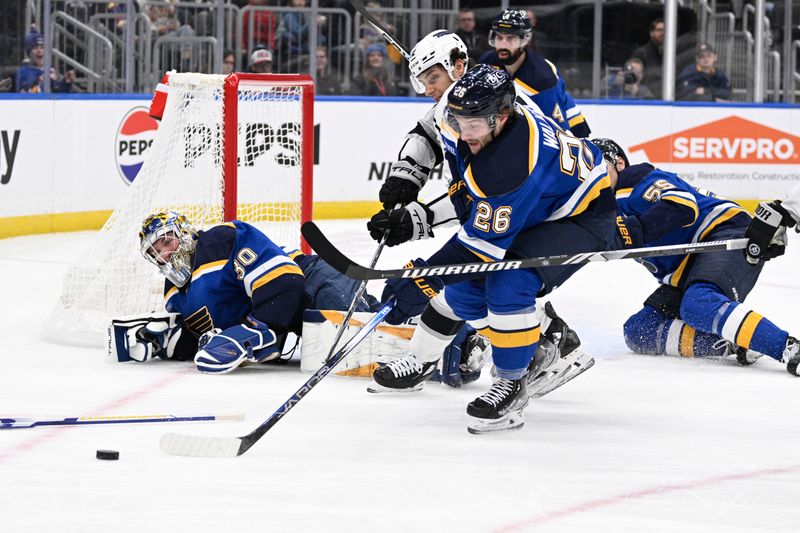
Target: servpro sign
{"points": [[728, 140]]}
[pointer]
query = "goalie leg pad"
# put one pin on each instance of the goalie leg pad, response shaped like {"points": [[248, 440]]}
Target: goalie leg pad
{"points": [[142, 338], [223, 352]]}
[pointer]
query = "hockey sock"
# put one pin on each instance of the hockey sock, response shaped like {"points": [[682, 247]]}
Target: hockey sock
{"points": [[651, 332], [514, 338], [707, 309], [437, 327]]}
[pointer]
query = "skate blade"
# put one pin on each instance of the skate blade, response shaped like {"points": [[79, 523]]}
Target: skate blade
{"points": [[375, 388], [571, 372], [479, 426]]}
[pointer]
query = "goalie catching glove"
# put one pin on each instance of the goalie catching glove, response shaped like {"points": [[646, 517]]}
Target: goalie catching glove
{"points": [[766, 233], [409, 223], [221, 351], [143, 338]]}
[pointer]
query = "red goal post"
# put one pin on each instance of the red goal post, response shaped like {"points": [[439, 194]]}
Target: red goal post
{"points": [[231, 121]]}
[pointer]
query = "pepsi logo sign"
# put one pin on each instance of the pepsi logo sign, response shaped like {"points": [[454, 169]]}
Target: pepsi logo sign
{"points": [[135, 134]]}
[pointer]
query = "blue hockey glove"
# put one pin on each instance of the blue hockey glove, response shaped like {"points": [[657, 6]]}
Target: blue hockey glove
{"points": [[629, 233], [224, 351], [412, 294], [463, 358]]}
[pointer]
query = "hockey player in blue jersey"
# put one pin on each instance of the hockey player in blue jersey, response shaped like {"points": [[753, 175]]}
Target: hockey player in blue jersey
{"points": [[535, 190], [232, 295], [697, 310], [534, 75]]}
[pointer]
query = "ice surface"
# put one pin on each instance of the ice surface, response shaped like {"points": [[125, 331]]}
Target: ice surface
{"points": [[635, 444]]}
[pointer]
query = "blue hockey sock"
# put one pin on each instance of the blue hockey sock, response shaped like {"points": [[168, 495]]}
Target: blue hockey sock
{"points": [[651, 332]]}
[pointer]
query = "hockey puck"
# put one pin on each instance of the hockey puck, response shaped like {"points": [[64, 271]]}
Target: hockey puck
{"points": [[108, 455]]}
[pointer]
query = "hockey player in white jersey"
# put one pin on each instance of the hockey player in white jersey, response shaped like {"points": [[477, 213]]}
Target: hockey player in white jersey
{"points": [[766, 233], [436, 63]]}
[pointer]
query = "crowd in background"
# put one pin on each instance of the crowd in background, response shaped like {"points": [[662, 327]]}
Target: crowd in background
{"points": [[278, 41]]}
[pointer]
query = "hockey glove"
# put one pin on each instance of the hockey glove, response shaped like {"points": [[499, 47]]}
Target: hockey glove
{"points": [[144, 338], [412, 294], [403, 184], [629, 233], [408, 223], [463, 358], [766, 233], [222, 351]]}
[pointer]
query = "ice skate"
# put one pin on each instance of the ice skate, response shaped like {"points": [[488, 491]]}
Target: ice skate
{"points": [[791, 356], [407, 374], [558, 358], [500, 408]]}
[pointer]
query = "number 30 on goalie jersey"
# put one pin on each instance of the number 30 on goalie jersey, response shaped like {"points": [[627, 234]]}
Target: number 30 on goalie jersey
{"points": [[237, 270]]}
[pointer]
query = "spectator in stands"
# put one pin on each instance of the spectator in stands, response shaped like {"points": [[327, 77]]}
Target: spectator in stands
{"points": [[228, 61], [293, 32], [7, 81], [30, 74], [264, 25], [327, 82], [651, 54], [628, 83], [703, 81], [375, 79], [476, 42], [261, 61], [367, 34]]}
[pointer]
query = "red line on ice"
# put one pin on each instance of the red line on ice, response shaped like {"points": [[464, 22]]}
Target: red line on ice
{"points": [[43, 437], [591, 505]]}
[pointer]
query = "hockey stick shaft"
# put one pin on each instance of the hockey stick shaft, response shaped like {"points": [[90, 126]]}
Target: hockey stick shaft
{"points": [[361, 8], [24, 423], [333, 256], [196, 446], [359, 294]]}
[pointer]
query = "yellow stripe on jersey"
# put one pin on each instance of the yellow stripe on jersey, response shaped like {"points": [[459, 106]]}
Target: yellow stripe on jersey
{"points": [[229, 224], [533, 141], [294, 254], [747, 328], [577, 119], [623, 193], [594, 192], [688, 203], [207, 267], [525, 87], [729, 214], [471, 182], [676, 276], [512, 339], [687, 341], [276, 272], [170, 293]]}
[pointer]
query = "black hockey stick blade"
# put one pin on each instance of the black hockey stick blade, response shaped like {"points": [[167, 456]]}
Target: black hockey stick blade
{"points": [[361, 8], [326, 250], [199, 446]]}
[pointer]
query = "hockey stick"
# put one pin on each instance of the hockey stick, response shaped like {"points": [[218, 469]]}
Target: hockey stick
{"points": [[361, 8], [359, 293], [196, 446], [24, 423], [326, 250]]}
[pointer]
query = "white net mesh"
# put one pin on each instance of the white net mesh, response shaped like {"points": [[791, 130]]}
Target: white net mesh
{"points": [[183, 172]]}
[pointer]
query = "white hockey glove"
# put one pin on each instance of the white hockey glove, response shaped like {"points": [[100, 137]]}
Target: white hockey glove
{"points": [[143, 338], [408, 223]]}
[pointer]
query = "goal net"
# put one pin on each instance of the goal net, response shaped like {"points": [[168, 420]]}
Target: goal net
{"points": [[228, 147]]}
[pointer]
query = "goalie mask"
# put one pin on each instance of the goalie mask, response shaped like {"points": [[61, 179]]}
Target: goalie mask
{"points": [[440, 47], [168, 240], [482, 93]]}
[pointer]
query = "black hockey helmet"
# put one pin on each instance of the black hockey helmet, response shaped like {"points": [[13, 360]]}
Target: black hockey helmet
{"points": [[483, 91], [513, 22], [612, 152]]}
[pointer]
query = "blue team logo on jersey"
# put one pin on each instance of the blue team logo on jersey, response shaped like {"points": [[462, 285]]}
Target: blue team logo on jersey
{"points": [[134, 137]]}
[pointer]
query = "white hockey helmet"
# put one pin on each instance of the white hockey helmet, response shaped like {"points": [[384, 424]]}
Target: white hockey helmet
{"points": [[434, 49]]}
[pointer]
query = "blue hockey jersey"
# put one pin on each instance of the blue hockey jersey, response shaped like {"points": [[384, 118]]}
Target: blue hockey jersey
{"points": [[238, 270], [538, 78], [672, 212], [533, 172]]}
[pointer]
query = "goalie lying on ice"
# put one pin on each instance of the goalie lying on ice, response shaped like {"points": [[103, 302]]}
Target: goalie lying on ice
{"points": [[233, 296]]}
